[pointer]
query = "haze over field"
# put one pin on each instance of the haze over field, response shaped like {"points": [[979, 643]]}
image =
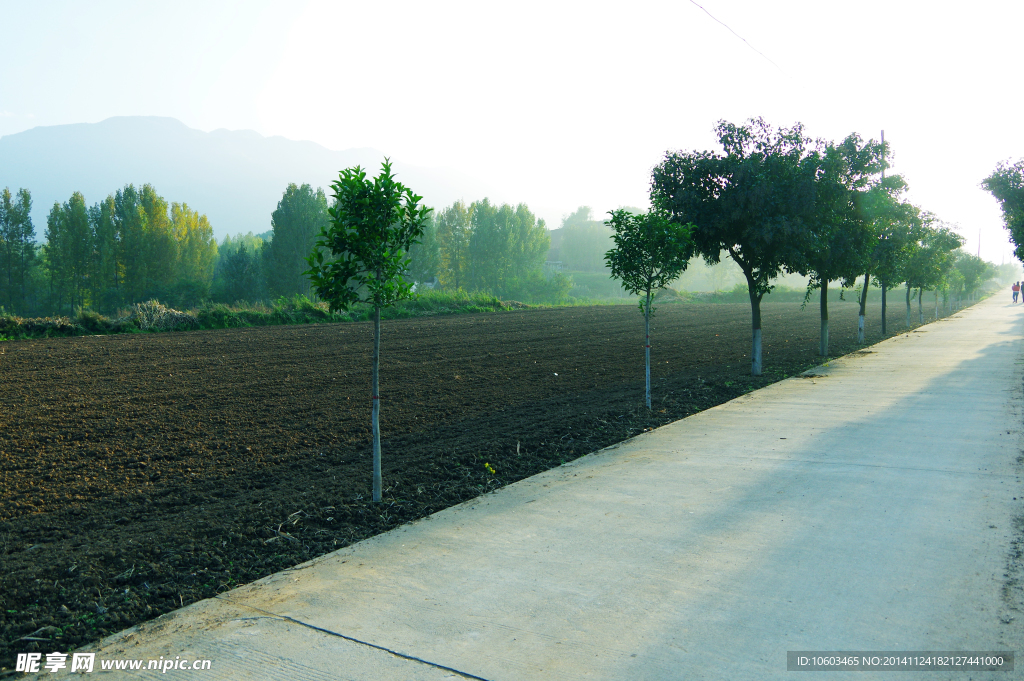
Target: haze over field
{"points": [[234, 177], [555, 105]]}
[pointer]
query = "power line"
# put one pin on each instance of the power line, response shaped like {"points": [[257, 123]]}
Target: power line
{"points": [[737, 35]]}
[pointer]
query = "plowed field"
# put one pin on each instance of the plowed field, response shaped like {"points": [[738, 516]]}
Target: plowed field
{"points": [[140, 473]]}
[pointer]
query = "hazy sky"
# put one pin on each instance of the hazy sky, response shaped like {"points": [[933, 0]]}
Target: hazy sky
{"points": [[555, 104]]}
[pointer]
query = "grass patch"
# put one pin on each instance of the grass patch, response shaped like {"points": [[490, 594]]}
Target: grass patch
{"points": [[153, 316]]}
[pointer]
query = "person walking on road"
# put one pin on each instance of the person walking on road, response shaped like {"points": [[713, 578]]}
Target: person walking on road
{"points": [[1016, 290]]}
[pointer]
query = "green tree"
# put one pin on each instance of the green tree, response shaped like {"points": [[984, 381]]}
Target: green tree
{"points": [[130, 227], [196, 247], [897, 230], [506, 246], [373, 223], [1006, 184], [425, 254], [650, 252], [17, 248], [584, 242], [837, 236], [748, 202], [974, 270], [160, 245], [929, 260], [239, 271], [454, 230], [106, 270], [300, 216]]}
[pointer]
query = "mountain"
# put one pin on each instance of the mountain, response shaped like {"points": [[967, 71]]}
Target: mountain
{"points": [[235, 177]]}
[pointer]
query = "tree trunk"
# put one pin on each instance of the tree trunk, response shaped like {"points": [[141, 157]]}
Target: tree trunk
{"points": [[920, 305], [376, 403], [755, 323], [936, 303], [863, 304], [883, 308], [823, 350], [647, 345], [908, 305]]}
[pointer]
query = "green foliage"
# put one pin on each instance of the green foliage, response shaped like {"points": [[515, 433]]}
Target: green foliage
{"points": [[17, 248], [373, 223], [454, 230], [1006, 184], [583, 242], [932, 255], [748, 201], [506, 245], [650, 251], [837, 238], [301, 215], [425, 254]]}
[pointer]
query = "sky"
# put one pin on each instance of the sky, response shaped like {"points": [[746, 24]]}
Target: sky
{"points": [[553, 104]]}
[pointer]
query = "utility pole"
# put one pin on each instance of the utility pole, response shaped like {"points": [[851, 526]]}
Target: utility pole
{"points": [[883, 283]]}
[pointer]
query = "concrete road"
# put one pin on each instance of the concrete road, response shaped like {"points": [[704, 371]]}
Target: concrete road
{"points": [[869, 506]]}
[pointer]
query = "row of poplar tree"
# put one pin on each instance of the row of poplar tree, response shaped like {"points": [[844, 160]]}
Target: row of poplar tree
{"points": [[135, 245], [498, 249]]}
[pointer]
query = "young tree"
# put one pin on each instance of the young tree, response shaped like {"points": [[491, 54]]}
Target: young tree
{"points": [[837, 236], [373, 223], [300, 216], [749, 202], [650, 252]]}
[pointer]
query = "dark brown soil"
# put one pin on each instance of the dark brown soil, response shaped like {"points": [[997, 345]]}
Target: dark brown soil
{"points": [[140, 473]]}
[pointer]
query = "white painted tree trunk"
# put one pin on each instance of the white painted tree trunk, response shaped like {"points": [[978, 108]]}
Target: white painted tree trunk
{"points": [[755, 368], [376, 405], [920, 305], [647, 346], [823, 346]]}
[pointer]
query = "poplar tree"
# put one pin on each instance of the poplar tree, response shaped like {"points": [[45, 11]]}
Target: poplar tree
{"points": [[453, 234], [17, 248], [361, 257]]}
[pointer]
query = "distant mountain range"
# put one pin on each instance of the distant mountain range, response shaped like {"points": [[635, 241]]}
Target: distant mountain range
{"points": [[235, 177]]}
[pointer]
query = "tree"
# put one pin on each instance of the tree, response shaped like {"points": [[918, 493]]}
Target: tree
{"points": [[1006, 183], [749, 202], [424, 255], [161, 247], [197, 249], [454, 230], [584, 242], [106, 272], [506, 246], [897, 231], [373, 223], [650, 252], [929, 260], [300, 216], [17, 248], [837, 237], [129, 224], [974, 270]]}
